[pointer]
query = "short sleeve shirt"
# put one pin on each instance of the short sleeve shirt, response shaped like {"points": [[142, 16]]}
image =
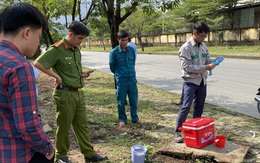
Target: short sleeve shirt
{"points": [[65, 61]]}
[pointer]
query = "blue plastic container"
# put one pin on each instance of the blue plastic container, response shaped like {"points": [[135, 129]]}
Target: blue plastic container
{"points": [[138, 153]]}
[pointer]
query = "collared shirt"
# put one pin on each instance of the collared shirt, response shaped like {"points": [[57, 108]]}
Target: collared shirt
{"points": [[21, 132], [65, 61], [194, 59], [122, 64]]}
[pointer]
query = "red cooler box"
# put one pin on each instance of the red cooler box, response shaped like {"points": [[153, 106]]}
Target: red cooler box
{"points": [[198, 132]]}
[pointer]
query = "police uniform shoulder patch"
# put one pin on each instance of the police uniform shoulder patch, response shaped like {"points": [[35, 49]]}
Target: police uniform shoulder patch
{"points": [[58, 44]]}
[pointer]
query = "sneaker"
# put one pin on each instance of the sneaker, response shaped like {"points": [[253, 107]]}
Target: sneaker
{"points": [[95, 158], [178, 137], [63, 160]]}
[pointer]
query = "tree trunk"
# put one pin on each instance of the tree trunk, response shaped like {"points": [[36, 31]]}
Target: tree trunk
{"points": [[102, 42], [74, 9], [113, 36], [113, 14], [139, 37], [175, 43], [49, 36], [111, 18], [114, 28], [45, 39], [104, 46]]}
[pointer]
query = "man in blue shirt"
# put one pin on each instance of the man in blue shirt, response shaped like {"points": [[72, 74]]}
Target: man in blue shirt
{"points": [[122, 65]]}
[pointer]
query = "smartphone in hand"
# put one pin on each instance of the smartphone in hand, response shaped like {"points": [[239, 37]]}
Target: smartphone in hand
{"points": [[91, 71]]}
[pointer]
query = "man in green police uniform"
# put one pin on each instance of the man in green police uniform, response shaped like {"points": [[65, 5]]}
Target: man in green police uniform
{"points": [[63, 62]]}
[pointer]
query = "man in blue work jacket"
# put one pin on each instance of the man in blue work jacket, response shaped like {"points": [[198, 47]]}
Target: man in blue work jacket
{"points": [[122, 65]]}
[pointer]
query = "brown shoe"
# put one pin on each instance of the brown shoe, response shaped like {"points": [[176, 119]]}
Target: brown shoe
{"points": [[122, 124]]}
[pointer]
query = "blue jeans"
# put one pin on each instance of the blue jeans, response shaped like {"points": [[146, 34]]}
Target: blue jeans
{"points": [[191, 92]]}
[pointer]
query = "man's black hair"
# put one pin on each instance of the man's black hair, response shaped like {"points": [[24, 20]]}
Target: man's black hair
{"points": [[200, 28], [20, 15], [122, 34], [78, 28]]}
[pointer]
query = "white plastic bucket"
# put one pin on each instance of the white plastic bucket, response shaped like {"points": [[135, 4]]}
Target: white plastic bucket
{"points": [[138, 153]]}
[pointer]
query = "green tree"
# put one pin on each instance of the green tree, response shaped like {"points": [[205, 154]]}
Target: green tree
{"points": [[111, 9], [193, 11], [226, 8], [99, 29], [116, 11], [52, 9], [215, 24], [139, 23]]}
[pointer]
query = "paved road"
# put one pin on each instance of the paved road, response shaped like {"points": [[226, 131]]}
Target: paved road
{"points": [[233, 84]]}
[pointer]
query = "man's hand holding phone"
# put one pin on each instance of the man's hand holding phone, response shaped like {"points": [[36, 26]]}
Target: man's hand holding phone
{"points": [[87, 73]]}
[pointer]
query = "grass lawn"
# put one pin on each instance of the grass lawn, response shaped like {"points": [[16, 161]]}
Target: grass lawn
{"points": [[158, 111]]}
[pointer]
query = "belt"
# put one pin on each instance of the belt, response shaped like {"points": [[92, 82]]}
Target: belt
{"points": [[69, 89]]}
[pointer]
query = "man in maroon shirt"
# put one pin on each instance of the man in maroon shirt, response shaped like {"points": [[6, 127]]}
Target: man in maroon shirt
{"points": [[22, 138]]}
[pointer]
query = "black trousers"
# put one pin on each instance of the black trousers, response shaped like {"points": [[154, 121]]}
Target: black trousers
{"points": [[40, 158]]}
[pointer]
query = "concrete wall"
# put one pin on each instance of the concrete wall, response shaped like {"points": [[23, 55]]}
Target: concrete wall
{"points": [[217, 37]]}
